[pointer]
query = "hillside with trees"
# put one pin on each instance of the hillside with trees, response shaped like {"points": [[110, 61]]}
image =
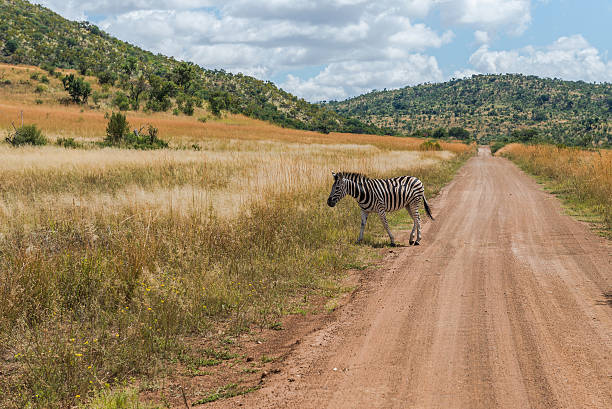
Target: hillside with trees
{"points": [[140, 80], [508, 106]]}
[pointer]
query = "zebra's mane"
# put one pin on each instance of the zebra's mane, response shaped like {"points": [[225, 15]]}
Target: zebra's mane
{"points": [[354, 177]]}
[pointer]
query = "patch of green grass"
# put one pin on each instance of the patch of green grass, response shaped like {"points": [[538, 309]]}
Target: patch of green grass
{"points": [[117, 399], [266, 359], [220, 355], [228, 391], [277, 326]]}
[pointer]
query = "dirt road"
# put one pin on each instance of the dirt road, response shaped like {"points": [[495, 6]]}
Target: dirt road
{"points": [[507, 303]]}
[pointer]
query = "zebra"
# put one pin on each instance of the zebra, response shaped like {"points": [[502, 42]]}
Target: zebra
{"points": [[381, 196]]}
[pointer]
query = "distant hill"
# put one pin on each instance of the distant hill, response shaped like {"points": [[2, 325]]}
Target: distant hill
{"points": [[492, 106], [32, 34]]}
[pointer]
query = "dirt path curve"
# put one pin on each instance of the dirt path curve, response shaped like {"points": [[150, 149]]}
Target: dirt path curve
{"points": [[507, 303]]}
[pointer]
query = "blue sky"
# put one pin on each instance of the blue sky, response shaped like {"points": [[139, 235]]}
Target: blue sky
{"points": [[335, 49]]}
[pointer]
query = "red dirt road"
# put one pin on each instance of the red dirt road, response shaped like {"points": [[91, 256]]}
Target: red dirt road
{"points": [[507, 303]]}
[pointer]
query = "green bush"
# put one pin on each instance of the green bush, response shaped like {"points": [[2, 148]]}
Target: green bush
{"points": [[78, 88], [188, 107], [150, 140], [430, 146], [121, 101], [26, 135], [497, 145], [68, 143], [10, 47], [117, 129], [97, 96], [458, 132], [118, 134], [440, 133], [49, 68], [107, 77]]}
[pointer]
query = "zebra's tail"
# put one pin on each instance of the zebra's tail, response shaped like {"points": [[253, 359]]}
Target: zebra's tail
{"points": [[427, 209]]}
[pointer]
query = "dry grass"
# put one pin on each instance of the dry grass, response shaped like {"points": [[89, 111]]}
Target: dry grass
{"points": [[86, 123], [60, 121], [110, 257], [583, 178]]}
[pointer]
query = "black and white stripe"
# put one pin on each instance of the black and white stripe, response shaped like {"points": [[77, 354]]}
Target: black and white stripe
{"points": [[382, 196]]}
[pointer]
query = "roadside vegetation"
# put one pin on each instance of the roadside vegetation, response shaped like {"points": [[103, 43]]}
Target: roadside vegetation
{"points": [[111, 258], [582, 178]]}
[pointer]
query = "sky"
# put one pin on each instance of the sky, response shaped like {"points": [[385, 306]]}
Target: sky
{"points": [[324, 50]]}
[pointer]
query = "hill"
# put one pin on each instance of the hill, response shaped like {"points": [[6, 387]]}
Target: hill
{"points": [[493, 106], [34, 35]]}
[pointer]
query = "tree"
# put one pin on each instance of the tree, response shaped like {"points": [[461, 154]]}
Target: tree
{"points": [[183, 74], [218, 101], [117, 128], [10, 47], [107, 77], [137, 87], [78, 88], [160, 92], [525, 135], [129, 66], [440, 133], [458, 132]]}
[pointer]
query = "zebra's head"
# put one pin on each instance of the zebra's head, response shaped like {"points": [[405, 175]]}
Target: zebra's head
{"points": [[338, 190]]}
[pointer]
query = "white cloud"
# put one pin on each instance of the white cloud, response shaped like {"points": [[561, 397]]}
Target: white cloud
{"points": [[350, 78], [80, 10], [360, 43], [491, 15], [466, 73], [570, 58], [283, 35], [481, 37]]}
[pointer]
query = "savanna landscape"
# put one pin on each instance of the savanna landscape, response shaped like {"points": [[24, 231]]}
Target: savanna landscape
{"points": [[115, 261], [165, 240]]}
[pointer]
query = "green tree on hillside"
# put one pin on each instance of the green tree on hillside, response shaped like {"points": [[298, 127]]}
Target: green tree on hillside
{"points": [[183, 74], [10, 47], [77, 87], [160, 92], [458, 132]]}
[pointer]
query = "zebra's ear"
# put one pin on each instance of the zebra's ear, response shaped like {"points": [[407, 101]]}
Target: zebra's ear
{"points": [[335, 175]]}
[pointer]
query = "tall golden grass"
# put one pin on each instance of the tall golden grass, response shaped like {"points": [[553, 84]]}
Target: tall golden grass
{"points": [[583, 177], [87, 123], [109, 258]]}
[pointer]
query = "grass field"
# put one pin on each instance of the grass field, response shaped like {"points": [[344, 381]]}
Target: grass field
{"points": [[582, 178], [110, 258]]}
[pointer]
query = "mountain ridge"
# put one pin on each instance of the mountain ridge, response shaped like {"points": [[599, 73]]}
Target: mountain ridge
{"points": [[491, 106]]}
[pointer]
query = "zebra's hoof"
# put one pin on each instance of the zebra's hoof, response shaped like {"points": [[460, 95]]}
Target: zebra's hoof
{"points": [[411, 242], [416, 243], [392, 244]]}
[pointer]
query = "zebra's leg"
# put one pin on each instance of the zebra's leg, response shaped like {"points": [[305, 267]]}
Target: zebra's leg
{"points": [[364, 219], [417, 221], [413, 225], [383, 219]]}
